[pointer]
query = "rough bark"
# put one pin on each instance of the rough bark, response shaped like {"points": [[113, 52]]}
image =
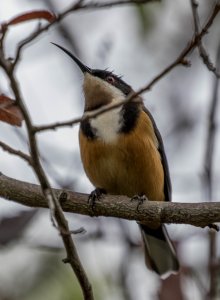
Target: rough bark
{"points": [[149, 213]]}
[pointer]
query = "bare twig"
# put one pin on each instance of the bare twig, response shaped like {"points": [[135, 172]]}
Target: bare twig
{"points": [[213, 267], [211, 132], [202, 51], [13, 151], [72, 255], [214, 227], [125, 265], [208, 173], [66, 32], [181, 59], [151, 213], [197, 278], [22, 44], [2, 36], [79, 5]]}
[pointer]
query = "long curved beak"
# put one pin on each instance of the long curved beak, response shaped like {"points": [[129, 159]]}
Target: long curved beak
{"points": [[82, 67]]}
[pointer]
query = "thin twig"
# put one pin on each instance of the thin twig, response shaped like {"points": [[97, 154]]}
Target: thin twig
{"points": [[62, 224], [79, 5], [181, 59], [202, 51], [22, 44], [208, 173], [196, 277], [19, 153], [65, 31]]}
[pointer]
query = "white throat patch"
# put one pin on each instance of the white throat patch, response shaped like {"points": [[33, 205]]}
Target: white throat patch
{"points": [[107, 124]]}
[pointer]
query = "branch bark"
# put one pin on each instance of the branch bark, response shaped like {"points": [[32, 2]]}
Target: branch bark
{"points": [[19, 153], [150, 213], [55, 208]]}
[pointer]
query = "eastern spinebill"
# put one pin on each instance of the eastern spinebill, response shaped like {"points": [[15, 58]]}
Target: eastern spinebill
{"points": [[123, 154]]}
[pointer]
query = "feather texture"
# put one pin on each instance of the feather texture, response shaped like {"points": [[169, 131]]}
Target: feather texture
{"points": [[122, 152], [130, 165], [134, 164]]}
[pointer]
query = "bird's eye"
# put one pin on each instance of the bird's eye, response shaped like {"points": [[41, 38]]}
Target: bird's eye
{"points": [[110, 79]]}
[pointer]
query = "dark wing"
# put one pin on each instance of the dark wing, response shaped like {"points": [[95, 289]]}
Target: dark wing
{"points": [[167, 182]]}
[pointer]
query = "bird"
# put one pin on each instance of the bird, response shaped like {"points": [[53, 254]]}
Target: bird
{"points": [[122, 153]]}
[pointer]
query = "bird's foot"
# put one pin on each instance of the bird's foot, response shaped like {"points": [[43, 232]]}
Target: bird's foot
{"points": [[140, 200], [94, 196]]}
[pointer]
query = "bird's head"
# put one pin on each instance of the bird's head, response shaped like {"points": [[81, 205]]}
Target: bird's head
{"points": [[100, 87]]}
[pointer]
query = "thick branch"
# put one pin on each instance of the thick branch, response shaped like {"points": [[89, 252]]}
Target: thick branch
{"points": [[150, 213]]}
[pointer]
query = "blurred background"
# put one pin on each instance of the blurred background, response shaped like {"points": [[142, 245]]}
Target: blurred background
{"points": [[136, 42]]}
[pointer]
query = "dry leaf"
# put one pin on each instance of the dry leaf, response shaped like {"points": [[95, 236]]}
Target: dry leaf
{"points": [[32, 15], [9, 112]]}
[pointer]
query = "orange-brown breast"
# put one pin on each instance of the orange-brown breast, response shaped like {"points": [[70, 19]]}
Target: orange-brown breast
{"points": [[129, 166]]}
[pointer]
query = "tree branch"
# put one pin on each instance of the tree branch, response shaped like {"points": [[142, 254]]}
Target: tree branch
{"points": [[13, 151], [181, 59], [208, 178], [79, 5], [46, 190], [202, 51], [150, 213]]}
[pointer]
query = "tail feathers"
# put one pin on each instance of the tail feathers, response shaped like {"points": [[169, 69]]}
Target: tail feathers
{"points": [[160, 255]]}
